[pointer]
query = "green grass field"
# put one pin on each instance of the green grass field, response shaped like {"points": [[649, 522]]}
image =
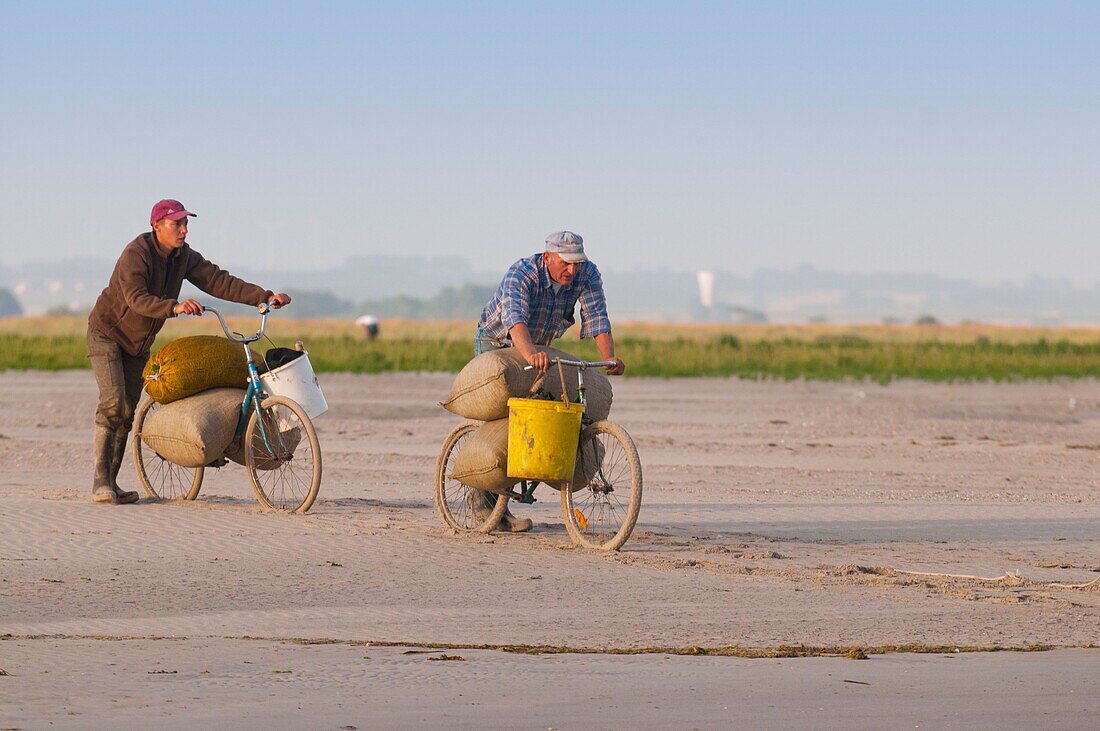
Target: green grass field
{"points": [[824, 352]]}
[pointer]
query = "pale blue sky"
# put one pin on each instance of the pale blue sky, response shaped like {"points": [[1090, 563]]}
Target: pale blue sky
{"points": [[958, 138]]}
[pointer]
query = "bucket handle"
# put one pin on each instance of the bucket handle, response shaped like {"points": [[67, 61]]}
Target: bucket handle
{"points": [[564, 390], [541, 378], [537, 384], [298, 345], [267, 365]]}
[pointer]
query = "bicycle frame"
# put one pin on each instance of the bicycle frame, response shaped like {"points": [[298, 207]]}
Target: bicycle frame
{"points": [[582, 366], [254, 392]]}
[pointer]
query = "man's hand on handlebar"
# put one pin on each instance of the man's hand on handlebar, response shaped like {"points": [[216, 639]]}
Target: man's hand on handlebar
{"points": [[618, 369], [538, 360], [187, 307], [282, 299]]}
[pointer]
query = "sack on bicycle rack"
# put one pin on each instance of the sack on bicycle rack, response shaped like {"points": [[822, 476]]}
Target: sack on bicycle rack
{"points": [[194, 431], [590, 456], [282, 441], [482, 388], [483, 460], [194, 364]]}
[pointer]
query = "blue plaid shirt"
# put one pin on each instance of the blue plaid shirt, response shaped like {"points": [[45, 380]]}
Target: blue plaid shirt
{"points": [[526, 296]]}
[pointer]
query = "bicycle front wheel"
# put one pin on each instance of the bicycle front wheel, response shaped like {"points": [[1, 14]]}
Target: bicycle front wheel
{"points": [[160, 478], [464, 508], [282, 455], [602, 506]]}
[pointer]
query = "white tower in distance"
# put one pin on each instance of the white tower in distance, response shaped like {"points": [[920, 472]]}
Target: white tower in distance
{"points": [[706, 287]]}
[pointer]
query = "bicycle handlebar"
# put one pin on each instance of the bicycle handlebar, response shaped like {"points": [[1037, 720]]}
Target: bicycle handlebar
{"points": [[264, 309], [581, 364]]}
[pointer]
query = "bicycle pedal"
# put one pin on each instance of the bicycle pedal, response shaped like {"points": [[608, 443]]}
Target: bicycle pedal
{"points": [[219, 462]]}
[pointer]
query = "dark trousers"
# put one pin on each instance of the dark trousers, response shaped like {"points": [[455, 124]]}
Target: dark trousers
{"points": [[118, 375]]}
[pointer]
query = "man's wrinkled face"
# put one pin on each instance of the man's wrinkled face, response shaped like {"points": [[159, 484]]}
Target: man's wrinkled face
{"points": [[560, 270], [172, 234]]}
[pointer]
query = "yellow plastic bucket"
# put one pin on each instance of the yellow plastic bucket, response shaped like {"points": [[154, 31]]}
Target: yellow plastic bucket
{"points": [[542, 439]]}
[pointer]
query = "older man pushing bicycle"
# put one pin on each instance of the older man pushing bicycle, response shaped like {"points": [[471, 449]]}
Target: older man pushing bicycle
{"points": [[533, 306], [140, 296]]}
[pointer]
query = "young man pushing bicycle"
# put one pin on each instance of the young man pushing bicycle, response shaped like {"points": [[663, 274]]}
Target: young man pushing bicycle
{"points": [[534, 305], [141, 294]]}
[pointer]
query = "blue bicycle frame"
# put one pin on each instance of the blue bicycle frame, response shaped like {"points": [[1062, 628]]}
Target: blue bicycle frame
{"points": [[254, 392]]}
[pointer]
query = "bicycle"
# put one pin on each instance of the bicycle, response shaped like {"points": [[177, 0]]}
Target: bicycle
{"points": [[279, 444], [597, 513]]}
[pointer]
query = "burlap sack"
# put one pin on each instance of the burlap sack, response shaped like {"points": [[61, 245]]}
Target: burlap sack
{"points": [[194, 364], [482, 388], [590, 455], [194, 431], [483, 460], [281, 441]]}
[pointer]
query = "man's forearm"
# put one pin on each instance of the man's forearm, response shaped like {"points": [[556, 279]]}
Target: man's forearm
{"points": [[215, 281], [521, 339], [606, 345]]}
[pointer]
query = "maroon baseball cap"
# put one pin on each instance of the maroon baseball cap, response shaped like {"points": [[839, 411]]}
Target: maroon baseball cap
{"points": [[170, 209]]}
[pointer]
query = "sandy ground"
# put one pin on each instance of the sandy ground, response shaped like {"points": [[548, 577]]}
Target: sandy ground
{"points": [[909, 518]]}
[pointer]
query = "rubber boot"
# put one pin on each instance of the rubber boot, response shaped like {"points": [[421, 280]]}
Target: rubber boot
{"points": [[103, 448], [482, 502], [512, 524], [118, 454]]}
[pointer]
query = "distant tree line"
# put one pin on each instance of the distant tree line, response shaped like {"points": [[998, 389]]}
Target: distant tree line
{"points": [[9, 305], [463, 302]]}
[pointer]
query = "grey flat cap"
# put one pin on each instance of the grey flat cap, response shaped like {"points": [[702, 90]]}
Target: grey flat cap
{"points": [[568, 245]]}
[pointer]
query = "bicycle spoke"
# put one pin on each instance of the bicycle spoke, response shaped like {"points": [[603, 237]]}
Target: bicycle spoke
{"points": [[602, 506], [158, 476], [455, 500], [283, 458]]}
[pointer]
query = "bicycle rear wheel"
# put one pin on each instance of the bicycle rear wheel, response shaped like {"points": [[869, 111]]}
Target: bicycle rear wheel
{"points": [[602, 510], [458, 503], [282, 455], [160, 478]]}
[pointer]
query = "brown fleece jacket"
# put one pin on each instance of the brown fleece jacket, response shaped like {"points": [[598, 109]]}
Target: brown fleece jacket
{"points": [[145, 284]]}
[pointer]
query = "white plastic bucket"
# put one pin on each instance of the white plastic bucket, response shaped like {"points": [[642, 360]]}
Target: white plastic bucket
{"points": [[296, 380]]}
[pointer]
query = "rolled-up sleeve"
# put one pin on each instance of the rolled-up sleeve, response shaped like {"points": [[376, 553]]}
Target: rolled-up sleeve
{"points": [[515, 298], [594, 319]]}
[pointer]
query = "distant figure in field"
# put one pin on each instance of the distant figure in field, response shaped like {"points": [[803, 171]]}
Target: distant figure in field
{"points": [[126, 318], [534, 305], [369, 324]]}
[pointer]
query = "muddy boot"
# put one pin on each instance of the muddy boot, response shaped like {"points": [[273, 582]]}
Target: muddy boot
{"points": [[118, 453], [103, 452], [512, 524]]}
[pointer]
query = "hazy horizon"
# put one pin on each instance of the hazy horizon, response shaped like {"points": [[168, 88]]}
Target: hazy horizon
{"points": [[945, 139], [495, 273], [801, 292]]}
